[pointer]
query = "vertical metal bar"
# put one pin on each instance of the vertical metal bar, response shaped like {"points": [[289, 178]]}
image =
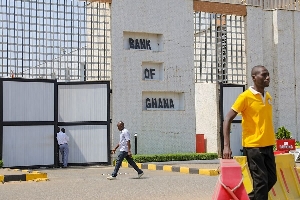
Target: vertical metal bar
{"points": [[196, 41], [29, 38], [56, 152], [78, 42], [98, 43], [1, 118], [205, 46], [63, 47], [225, 69], [242, 34], [7, 34], [237, 51], [220, 70], [59, 27], [85, 46], [211, 16], [216, 47], [105, 67], [195, 48], [43, 45], [36, 36], [91, 48], [23, 24], [226, 58], [72, 31], [3, 24], [231, 49], [52, 43], [15, 43]]}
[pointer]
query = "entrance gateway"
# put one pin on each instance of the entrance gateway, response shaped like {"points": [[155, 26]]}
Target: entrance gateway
{"points": [[32, 109]]}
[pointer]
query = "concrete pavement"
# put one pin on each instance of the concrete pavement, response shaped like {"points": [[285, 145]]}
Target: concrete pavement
{"points": [[91, 183], [203, 167]]}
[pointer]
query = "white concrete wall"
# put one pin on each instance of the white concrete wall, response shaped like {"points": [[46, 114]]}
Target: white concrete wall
{"points": [[159, 131], [297, 71], [274, 43], [207, 118], [286, 93]]}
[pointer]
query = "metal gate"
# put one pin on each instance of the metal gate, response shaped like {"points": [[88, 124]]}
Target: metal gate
{"points": [[219, 48], [83, 110], [55, 39], [228, 95], [31, 110]]}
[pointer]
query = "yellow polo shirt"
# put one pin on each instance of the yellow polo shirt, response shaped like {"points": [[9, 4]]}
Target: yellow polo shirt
{"points": [[257, 122]]}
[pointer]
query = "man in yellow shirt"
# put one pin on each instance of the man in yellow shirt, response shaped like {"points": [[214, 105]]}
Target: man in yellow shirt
{"points": [[258, 137]]}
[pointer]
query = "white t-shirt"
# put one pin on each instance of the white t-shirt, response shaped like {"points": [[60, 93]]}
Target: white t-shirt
{"points": [[62, 138], [124, 138]]}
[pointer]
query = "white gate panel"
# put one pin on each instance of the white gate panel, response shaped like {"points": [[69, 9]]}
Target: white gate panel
{"points": [[85, 102], [229, 95], [28, 101], [236, 139], [88, 143], [28, 145]]}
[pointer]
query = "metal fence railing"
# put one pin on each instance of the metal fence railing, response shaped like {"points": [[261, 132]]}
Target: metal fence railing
{"points": [[219, 48], [55, 39], [265, 4]]}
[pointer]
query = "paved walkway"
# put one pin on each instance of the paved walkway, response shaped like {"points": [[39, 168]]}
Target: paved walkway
{"points": [[202, 167], [91, 183], [208, 167]]}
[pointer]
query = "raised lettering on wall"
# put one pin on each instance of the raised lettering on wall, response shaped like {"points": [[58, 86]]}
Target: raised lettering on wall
{"points": [[139, 44], [159, 103], [149, 73]]}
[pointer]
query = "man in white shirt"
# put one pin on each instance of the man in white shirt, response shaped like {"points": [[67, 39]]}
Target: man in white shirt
{"points": [[125, 152], [63, 140]]}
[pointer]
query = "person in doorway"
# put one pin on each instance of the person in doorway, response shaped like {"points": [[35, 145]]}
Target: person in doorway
{"points": [[63, 140], [258, 137], [125, 152]]}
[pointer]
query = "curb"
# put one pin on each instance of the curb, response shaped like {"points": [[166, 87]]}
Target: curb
{"points": [[29, 175], [170, 168]]}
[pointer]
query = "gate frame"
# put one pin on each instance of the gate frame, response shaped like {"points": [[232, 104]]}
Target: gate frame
{"points": [[55, 122], [107, 123], [222, 115], [27, 123]]}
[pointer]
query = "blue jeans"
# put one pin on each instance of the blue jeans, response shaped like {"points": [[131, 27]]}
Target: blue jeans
{"points": [[64, 150], [121, 156]]}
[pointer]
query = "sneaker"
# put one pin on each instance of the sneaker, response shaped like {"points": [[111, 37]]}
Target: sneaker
{"points": [[111, 178], [140, 175]]}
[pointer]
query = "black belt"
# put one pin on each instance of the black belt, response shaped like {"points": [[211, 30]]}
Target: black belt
{"points": [[62, 144]]}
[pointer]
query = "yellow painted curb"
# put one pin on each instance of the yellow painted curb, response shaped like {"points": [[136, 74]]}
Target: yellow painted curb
{"points": [[35, 172], [209, 172], [124, 164], [184, 170], [41, 179], [151, 166], [34, 176], [139, 165], [167, 168], [1, 178]]}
